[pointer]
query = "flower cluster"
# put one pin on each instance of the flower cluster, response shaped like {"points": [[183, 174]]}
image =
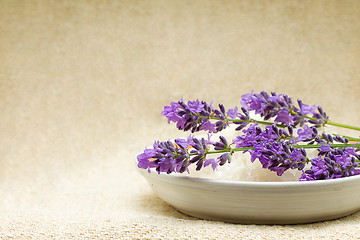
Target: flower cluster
{"points": [[279, 145], [195, 116], [334, 163], [164, 157], [271, 147], [282, 108], [171, 157]]}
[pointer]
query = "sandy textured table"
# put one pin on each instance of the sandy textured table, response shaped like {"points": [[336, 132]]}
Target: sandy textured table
{"points": [[82, 85]]}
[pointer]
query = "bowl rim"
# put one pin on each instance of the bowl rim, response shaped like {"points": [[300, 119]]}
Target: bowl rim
{"points": [[234, 183]]}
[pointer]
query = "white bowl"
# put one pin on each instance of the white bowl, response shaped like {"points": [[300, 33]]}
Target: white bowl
{"points": [[258, 202]]}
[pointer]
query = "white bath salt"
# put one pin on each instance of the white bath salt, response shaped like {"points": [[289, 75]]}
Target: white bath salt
{"points": [[242, 169]]}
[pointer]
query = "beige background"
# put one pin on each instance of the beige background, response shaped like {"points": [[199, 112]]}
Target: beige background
{"points": [[82, 85]]}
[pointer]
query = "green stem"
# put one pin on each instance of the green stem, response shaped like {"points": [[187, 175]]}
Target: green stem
{"points": [[250, 121], [230, 149], [295, 146], [332, 123], [331, 145], [343, 125], [281, 125]]}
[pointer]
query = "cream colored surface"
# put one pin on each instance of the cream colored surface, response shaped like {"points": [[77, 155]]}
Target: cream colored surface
{"points": [[82, 85]]}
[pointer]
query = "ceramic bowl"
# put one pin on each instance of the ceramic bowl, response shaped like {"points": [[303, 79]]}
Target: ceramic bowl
{"points": [[258, 202]]}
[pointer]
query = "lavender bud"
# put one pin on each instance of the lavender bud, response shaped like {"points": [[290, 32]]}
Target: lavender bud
{"points": [[303, 152], [320, 110], [336, 170], [265, 94], [180, 158], [286, 149], [287, 162], [339, 139], [183, 167], [200, 153], [223, 140], [275, 129], [199, 164], [223, 158], [219, 146], [242, 125], [246, 112], [301, 166], [258, 130], [291, 130], [203, 142], [222, 109], [299, 102], [195, 159], [315, 130], [325, 137]]}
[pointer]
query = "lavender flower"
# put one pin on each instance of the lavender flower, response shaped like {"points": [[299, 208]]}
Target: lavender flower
{"points": [[164, 157], [222, 123], [306, 109], [282, 108], [319, 118], [266, 105], [213, 162], [195, 116], [283, 116], [177, 157], [332, 163], [244, 118], [200, 149], [223, 145], [271, 149], [275, 146], [233, 112]]}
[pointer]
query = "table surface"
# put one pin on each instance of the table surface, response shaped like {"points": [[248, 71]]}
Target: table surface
{"points": [[82, 85]]}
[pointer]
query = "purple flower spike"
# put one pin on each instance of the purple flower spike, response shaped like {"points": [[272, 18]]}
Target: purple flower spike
{"points": [[273, 146], [193, 116], [270, 148], [171, 157], [333, 163], [282, 108], [197, 116], [269, 106], [165, 157]]}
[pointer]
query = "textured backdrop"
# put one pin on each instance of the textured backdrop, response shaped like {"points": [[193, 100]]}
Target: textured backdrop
{"points": [[82, 85]]}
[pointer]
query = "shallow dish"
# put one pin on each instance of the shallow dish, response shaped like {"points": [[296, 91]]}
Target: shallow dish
{"points": [[258, 202]]}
